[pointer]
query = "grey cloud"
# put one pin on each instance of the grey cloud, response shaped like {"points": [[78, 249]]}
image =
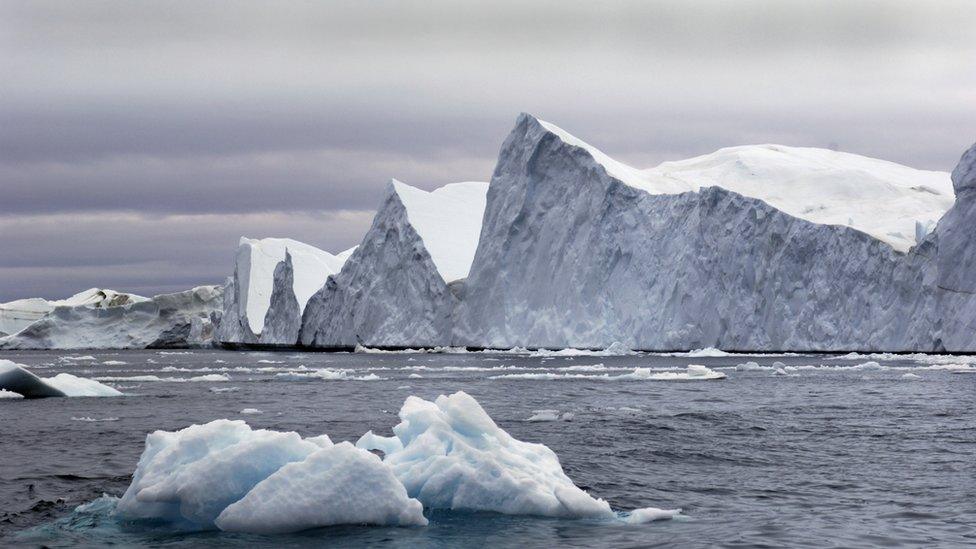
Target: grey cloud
{"points": [[139, 139]]}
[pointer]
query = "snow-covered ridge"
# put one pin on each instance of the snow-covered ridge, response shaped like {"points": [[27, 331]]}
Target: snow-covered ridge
{"points": [[448, 219], [256, 262], [893, 203]]}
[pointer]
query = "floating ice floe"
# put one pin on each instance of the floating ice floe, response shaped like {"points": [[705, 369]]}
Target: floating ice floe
{"points": [[693, 372], [93, 420], [17, 379], [114, 363], [446, 454], [250, 411], [324, 374], [152, 378], [9, 394]]}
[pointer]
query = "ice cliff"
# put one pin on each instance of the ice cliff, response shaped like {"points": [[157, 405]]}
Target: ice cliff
{"points": [[183, 319], [272, 282], [402, 284], [751, 248]]}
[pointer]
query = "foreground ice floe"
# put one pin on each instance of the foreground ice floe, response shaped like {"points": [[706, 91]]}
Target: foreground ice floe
{"points": [[15, 378], [445, 454]]}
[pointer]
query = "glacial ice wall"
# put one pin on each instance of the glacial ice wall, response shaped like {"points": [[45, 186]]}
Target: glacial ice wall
{"points": [[394, 290], [571, 255]]}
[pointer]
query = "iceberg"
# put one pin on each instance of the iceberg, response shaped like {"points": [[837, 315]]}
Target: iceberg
{"points": [[759, 248], [447, 454], [401, 286], [16, 379], [168, 320], [272, 282], [17, 315]]}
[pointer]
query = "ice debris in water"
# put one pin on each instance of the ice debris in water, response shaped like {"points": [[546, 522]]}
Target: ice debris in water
{"points": [[9, 394], [446, 454], [18, 379], [693, 372]]}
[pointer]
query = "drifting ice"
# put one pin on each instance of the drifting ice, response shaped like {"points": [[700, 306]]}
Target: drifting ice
{"points": [[446, 454]]}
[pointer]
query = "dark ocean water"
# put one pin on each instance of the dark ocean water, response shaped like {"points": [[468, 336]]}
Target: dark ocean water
{"points": [[827, 457]]}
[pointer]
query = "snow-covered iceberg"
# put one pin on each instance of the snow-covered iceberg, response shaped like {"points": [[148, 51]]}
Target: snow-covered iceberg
{"points": [[17, 315], [272, 282], [750, 248], [446, 454], [182, 319], [17, 379], [402, 284]]}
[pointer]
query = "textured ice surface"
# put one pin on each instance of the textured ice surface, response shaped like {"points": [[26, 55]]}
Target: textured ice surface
{"points": [[454, 456], [273, 278], [341, 484], [15, 378], [580, 251], [168, 320], [399, 288]]}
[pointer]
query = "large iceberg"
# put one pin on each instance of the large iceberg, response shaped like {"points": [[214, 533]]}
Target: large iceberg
{"points": [[272, 282], [447, 454], [401, 286], [17, 315], [183, 319], [15, 378], [749, 248]]}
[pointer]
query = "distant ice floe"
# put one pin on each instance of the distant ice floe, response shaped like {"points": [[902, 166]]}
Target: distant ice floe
{"points": [[550, 415], [114, 363], [224, 389], [213, 378], [445, 454], [16, 378], [250, 411], [871, 365], [693, 372], [325, 374], [93, 420], [910, 375], [85, 358]]}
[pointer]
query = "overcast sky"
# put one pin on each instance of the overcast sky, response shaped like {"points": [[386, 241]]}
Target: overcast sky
{"points": [[139, 140]]}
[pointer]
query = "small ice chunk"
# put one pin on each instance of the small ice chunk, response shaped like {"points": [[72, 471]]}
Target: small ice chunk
{"points": [[9, 394], [910, 375], [251, 411], [544, 415]]}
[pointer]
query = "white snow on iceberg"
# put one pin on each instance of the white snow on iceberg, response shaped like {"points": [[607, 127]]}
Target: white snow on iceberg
{"points": [[893, 203]]}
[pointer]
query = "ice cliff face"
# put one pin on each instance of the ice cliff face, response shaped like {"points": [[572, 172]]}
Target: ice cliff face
{"points": [[273, 280], [578, 250], [400, 286], [184, 319]]}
